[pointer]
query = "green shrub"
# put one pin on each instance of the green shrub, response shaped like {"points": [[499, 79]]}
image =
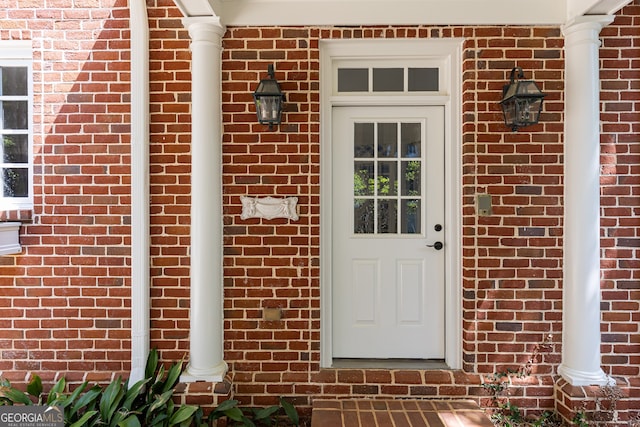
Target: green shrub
{"points": [[146, 403], [254, 417]]}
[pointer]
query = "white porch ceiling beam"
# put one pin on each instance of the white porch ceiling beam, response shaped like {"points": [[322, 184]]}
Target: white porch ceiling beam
{"points": [[194, 8], [397, 12], [576, 8], [390, 12], [378, 12]]}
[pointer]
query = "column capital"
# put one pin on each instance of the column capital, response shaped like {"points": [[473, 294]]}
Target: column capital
{"points": [[204, 28], [593, 23]]}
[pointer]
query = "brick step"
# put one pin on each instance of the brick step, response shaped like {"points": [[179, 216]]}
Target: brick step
{"points": [[398, 413]]}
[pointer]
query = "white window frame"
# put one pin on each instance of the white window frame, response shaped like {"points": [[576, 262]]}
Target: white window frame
{"points": [[19, 53]]}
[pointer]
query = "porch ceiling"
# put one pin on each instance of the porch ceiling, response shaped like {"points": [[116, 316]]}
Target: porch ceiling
{"points": [[398, 12]]}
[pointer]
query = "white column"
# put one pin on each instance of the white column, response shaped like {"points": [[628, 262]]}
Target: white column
{"points": [[206, 335], [581, 313]]}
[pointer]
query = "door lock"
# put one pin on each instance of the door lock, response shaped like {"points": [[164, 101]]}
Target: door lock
{"points": [[437, 246]]}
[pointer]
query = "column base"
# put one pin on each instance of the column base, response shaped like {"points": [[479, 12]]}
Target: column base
{"points": [[213, 375], [582, 378], [207, 395], [601, 405]]}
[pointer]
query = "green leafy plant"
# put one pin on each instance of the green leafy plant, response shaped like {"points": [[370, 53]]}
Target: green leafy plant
{"points": [[496, 383], [254, 417], [506, 414], [146, 403], [509, 415], [580, 419]]}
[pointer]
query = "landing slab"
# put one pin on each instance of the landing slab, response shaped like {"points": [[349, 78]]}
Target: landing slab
{"points": [[398, 413]]}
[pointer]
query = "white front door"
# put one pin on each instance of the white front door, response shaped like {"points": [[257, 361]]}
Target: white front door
{"points": [[388, 285]]}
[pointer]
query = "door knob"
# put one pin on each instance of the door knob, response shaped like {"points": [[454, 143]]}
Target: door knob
{"points": [[437, 246]]}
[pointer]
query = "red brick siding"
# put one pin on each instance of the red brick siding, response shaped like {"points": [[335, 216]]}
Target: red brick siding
{"points": [[66, 299], [271, 263], [170, 157], [620, 198], [511, 260]]}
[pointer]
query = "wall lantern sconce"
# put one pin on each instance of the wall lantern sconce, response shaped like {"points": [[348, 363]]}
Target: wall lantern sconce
{"points": [[268, 99], [521, 101]]}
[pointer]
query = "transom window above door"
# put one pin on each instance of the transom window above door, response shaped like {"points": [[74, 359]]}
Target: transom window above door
{"points": [[382, 77], [378, 79]]}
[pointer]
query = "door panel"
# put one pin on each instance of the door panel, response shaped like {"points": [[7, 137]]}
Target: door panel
{"points": [[410, 280], [388, 193], [365, 291]]}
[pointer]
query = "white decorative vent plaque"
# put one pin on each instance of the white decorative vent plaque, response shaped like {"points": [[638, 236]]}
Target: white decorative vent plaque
{"points": [[269, 207]]}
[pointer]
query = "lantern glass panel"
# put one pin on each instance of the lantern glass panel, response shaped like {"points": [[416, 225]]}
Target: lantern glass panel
{"points": [[528, 88], [268, 108], [509, 110], [527, 111]]}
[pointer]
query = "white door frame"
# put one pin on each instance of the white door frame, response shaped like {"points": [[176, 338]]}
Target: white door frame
{"points": [[448, 53]]}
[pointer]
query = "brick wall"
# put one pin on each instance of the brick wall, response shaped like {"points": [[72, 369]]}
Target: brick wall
{"points": [[170, 98], [271, 263], [620, 200], [66, 299], [512, 259]]}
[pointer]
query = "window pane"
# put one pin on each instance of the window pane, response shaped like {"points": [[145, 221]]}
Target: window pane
{"points": [[411, 175], [387, 178], [423, 79], [15, 149], [387, 139], [410, 139], [14, 114], [353, 79], [14, 81], [363, 216], [16, 181], [411, 215], [388, 80], [388, 216], [363, 180], [363, 140]]}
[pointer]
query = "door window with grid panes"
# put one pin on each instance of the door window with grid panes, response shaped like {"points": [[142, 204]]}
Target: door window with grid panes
{"points": [[387, 177]]}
